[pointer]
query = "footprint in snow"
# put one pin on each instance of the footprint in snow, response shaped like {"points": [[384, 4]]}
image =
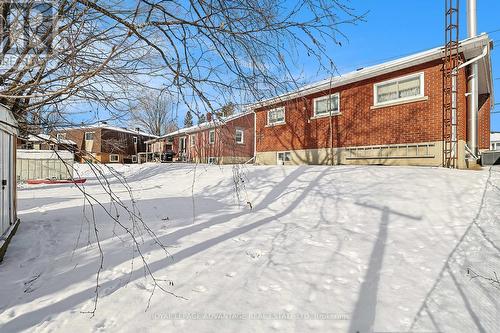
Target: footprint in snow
{"points": [[275, 287], [141, 286], [231, 274], [200, 289], [254, 253]]}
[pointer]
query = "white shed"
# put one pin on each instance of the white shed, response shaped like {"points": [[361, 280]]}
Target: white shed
{"points": [[8, 216]]}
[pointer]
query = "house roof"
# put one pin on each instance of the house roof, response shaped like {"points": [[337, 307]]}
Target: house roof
{"points": [[470, 47], [208, 124], [109, 127], [48, 138]]}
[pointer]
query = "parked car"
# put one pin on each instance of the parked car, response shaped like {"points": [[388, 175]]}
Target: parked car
{"points": [[168, 156]]}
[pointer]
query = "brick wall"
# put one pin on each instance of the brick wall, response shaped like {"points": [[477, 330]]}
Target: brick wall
{"points": [[78, 136], [359, 124], [484, 122], [225, 143], [106, 142]]}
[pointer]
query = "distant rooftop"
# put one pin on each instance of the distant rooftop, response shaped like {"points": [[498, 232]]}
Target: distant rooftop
{"points": [[110, 127], [208, 124], [48, 138]]}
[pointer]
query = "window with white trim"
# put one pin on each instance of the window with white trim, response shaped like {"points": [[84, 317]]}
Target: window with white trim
{"points": [[211, 137], [114, 158], [192, 140], [182, 144], [276, 116], [89, 136], [326, 105], [399, 90], [135, 140], [134, 158], [283, 156], [212, 160], [61, 136], [239, 136]]}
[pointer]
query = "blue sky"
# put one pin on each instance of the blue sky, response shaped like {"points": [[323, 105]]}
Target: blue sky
{"points": [[395, 28]]}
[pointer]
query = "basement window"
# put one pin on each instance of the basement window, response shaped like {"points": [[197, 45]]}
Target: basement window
{"points": [[397, 90], [114, 158], [326, 105], [212, 160], [239, 136], [134, 158], [283, 156], [276, 116]]}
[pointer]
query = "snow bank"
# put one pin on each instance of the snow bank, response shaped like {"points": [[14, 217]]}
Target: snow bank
{"points": [[310, 248]]}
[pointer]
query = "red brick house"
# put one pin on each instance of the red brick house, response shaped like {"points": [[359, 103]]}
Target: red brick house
{"points": [[104, 143], [226, 140], [389, 114]]}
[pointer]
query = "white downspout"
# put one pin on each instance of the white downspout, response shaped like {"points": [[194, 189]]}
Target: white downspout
{"points": [[472, 84]]}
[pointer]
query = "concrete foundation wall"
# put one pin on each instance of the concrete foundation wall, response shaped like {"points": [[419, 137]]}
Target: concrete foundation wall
{"points": [[417, 154], [227, 160]]}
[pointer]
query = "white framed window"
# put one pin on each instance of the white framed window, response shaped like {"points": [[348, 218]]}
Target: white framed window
{"points": [[135, 140], [211, 137], [326, 105], [89, 136], [283, 156], [182, 144], [276, 116], [134, 158], [212, 160], [240, 136], [192, 140], [113, 158], [61, 136], [399, 90]]}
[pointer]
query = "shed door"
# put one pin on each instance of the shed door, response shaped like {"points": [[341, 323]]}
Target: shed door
{"points": [[6, 156]]}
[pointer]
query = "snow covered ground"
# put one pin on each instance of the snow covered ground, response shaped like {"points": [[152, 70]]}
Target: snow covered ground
{"points": [[325, 249]]}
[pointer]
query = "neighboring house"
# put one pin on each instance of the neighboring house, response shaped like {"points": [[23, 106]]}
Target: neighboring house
{"points": [[104, 143], [226, 140], [155, 150], [388, 114], [495, 140], [45, 142], [8, 213]]}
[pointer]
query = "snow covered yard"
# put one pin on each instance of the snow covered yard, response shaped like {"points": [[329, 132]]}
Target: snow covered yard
{"points": [[326, 249]]}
